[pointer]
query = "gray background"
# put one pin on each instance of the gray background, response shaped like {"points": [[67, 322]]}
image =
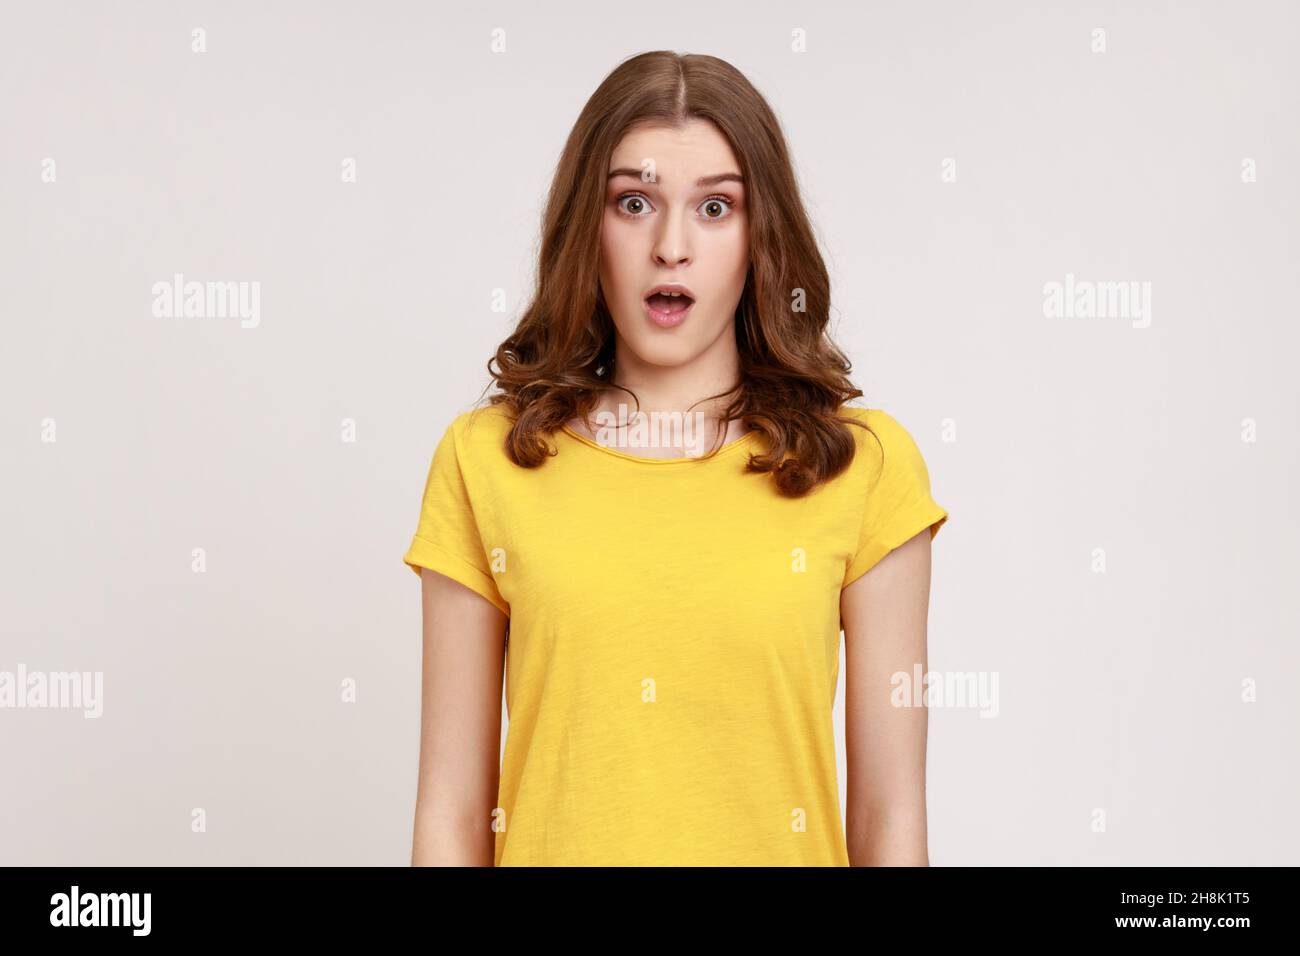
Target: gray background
{"points": [[1046, 438]]}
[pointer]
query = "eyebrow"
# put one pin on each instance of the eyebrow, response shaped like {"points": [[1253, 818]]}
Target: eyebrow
{"points": [[702, 181]]}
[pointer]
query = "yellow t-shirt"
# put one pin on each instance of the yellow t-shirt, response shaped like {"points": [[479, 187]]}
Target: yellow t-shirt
{"points": [[674, 638]]}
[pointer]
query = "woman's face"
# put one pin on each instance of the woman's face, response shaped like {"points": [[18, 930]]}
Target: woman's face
{"points": [[684, 222]]}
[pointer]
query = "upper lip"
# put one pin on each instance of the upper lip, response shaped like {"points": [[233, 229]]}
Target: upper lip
{"points": [[671, 287]]}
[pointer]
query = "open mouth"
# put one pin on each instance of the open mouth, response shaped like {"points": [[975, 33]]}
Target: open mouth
{"points": [[667, 302], [668, 308]]}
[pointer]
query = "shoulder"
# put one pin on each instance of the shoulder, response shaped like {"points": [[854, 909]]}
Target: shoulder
{"points": [[484, 425], [477, 437], [898, 504], [884, 444], [882, 429]]}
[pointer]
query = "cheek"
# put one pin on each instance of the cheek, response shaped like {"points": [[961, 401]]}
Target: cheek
{"points": [[616, 256], [728, 257], [738, 245]]}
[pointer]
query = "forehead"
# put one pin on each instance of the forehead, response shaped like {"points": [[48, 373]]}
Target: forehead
{"points": [[680, 154]]}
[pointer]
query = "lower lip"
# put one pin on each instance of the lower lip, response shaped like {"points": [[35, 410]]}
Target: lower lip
{"points": [[667, 320]]}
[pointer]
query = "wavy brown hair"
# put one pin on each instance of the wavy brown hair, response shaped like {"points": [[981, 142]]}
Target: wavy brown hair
{"points": [[560, 357]]}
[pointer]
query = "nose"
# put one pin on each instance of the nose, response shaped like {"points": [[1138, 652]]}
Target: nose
{"points": [[672, 244]]}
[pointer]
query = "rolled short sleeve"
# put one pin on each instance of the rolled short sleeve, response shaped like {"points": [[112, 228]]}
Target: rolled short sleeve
{"points": [[898, 505], [447, 538]]}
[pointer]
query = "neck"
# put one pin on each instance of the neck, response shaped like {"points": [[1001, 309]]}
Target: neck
{"points": [[679, 388]]}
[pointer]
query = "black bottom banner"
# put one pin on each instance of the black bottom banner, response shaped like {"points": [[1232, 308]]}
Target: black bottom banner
{"points": [[359, 905]]}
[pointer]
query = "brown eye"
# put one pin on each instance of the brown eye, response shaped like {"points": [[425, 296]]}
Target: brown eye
{"points": [[630, 199], [718, 204]]}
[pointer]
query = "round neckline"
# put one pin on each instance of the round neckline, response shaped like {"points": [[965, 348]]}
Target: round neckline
{"points": [[726, 449]]}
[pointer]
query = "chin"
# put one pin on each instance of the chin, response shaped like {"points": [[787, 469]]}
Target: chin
{"points": [[664, 353]]}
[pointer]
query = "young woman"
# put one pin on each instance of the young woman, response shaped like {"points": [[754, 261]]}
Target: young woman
{"points": [[668, 617]]}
